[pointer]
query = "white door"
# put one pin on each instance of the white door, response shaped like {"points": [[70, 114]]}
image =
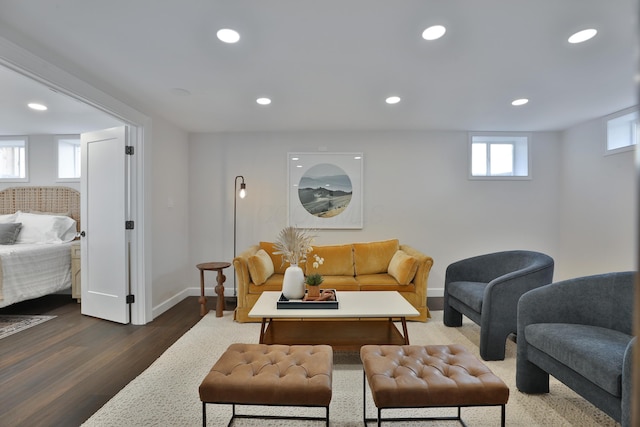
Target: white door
{"points": [[104, 245]]}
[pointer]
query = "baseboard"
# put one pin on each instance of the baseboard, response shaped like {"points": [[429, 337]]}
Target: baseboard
{"points": [[435, 292], [167, 304]]}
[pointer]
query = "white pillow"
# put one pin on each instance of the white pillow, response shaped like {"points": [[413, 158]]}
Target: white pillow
{"points": [[5, 219], [37, 228]]}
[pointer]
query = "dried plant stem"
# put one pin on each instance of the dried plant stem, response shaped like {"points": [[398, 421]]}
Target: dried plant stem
{"points": [[294, 244]]}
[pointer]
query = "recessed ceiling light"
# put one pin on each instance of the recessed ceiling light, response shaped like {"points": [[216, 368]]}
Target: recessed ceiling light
{"points": [[263, 101], [392, 100], [36, 106], [228, 35], [519, 102], [434, 32], [583, 36]]}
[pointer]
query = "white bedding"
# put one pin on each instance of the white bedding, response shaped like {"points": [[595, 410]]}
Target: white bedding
{"points": [[33, 270]]}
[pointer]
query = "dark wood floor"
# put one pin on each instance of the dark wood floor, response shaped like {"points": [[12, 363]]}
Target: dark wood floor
{"points": [[60, 372]]}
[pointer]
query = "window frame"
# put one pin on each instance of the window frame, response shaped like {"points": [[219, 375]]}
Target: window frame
{"points": [[605, 131], [513, 138], [57, 139], [25, 139]]}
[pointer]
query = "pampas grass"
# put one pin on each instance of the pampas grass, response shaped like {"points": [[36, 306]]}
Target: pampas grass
{"points": [[294, 244]]}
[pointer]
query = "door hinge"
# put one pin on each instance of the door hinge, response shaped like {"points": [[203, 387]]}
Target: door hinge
{"points": [[128, 150], [129, 225], [131, 299]]}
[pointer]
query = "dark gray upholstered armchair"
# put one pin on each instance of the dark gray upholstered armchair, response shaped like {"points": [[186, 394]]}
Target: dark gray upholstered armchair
{"points": [[486, 289], [580, 331]]}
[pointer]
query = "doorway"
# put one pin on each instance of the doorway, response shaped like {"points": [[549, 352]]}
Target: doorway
{"points": [[64, 85]]}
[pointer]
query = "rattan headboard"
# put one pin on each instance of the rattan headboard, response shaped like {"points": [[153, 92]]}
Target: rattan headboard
{"points": [[42, 199]]}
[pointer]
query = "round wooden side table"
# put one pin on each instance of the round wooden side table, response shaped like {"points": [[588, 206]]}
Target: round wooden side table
{"points": [[212, 266]]}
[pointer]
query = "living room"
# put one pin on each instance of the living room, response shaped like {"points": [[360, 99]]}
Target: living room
{"points": [[579, 205]]}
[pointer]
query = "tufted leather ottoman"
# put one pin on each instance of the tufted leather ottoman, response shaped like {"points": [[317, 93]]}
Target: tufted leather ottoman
{"points": [[413, 376], [278, 375]]}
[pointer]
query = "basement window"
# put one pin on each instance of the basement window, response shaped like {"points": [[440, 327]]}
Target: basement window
{"points": [[68, 157], [499, 156], [622, 131], [13, 158]]}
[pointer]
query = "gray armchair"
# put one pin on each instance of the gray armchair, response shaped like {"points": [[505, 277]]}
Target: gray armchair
{"points": [[486, 289], [580, 331]]}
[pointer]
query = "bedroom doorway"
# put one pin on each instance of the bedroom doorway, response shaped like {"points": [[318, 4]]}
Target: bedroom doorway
{"points": [[60, 82]]}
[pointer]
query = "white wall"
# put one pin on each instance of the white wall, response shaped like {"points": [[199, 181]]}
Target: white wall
{"points": [[598, 223], [170, 207], [579, 207], [42, 163], [415, 189]]}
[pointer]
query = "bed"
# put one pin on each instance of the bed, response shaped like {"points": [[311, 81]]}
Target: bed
{"points": [[39, 261]]}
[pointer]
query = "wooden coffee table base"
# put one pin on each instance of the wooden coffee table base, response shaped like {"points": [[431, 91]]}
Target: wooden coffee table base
{"points": [[345, 335]]}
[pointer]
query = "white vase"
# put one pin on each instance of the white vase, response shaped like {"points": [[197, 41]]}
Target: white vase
{"points": [[293, 282]]}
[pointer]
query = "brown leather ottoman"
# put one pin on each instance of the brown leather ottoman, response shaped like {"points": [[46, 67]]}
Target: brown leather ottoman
{"points": [[270, 375], [413, 376]]}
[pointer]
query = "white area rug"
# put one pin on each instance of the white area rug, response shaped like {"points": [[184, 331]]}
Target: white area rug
{"points": [[13, 323], [166, 394]]}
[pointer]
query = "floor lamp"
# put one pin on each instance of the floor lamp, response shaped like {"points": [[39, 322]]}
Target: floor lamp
{"points": [[242, 193]]}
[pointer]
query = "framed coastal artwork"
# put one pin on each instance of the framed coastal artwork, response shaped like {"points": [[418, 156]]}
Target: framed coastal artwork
{"points": [[325, 190]]}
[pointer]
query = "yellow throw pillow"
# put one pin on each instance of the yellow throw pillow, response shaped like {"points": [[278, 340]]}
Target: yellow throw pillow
{"points": [[403, 267], [260, 267]]}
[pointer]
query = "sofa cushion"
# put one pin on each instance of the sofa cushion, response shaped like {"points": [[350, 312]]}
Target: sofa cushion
{"points": [[260, 267], [382, 282], [273, 283], [340, 283], [469, 293], [338, 260], [403, 267], [595, 353], [374, 257]]}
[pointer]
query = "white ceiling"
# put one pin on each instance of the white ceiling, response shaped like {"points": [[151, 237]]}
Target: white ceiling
{"points": [[65, 115], [329, 65]]}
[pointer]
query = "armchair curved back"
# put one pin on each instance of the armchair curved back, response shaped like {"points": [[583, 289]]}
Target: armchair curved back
{"points": [[488, 267], [604, 300]]}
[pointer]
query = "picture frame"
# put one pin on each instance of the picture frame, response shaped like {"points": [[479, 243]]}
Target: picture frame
{"points": [[325, 190]]}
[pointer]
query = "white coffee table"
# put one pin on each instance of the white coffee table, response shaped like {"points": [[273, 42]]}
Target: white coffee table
{"points": [[362, 317]]}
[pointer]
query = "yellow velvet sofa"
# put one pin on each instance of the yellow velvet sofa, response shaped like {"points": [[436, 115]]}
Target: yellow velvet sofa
{"points": [[373, 266]]}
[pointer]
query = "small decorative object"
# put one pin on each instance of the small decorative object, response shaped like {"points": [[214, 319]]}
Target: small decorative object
{"points": [[293, 282], [313, 282], [293, 244], [328, 299]]}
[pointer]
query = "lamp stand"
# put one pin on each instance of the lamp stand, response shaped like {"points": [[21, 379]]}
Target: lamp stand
{"points": [[241, 193]]}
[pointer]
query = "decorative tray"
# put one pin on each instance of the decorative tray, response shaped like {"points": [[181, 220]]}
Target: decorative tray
{"points": [[285, 303]]}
